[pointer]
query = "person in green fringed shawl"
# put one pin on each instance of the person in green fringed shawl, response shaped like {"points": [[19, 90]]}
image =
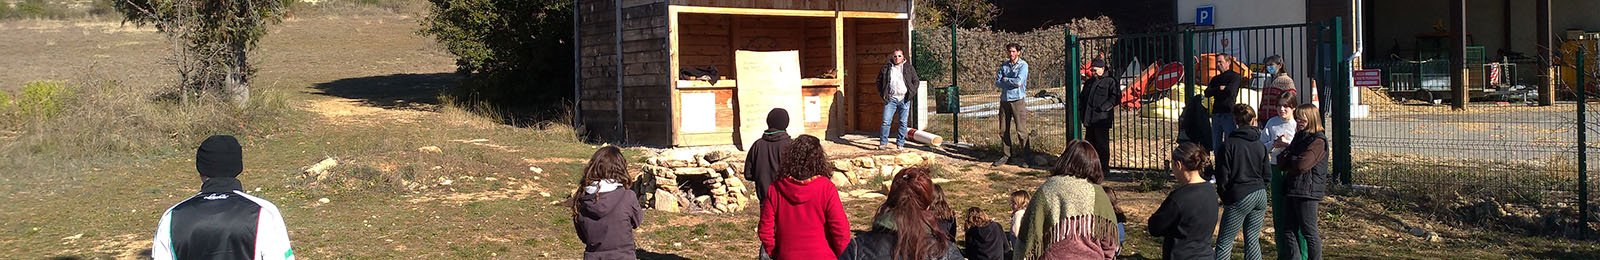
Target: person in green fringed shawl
{"points": [[1070, 217]]}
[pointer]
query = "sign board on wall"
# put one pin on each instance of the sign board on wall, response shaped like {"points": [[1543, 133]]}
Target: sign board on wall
{"points": [[1367, 77], [1205, 15]]}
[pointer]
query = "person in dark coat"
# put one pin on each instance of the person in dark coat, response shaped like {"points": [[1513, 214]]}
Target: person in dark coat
{"points": [[1306, 162], [897, 85], [1242, 183], [1224, 91], [762, 161], [805, 219], [1195, 123], [985, 239], [1098, 105], [1186, 219], [604, 213]]}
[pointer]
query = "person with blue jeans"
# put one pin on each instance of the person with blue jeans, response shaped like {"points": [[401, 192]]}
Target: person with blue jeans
{"points": [[1012, 80], [1224, 91], [897, 84]]}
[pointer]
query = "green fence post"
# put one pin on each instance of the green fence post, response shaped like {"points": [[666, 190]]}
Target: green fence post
{"points": [[1073, 117], [1340, 88], [1188, 64], [1583, 146], [955, 118]]}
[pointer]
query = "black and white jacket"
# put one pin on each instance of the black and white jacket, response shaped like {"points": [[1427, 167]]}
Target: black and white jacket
{"points": [[222, 223]]}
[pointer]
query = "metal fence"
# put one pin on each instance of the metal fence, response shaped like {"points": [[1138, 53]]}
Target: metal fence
{"points": [[1501, 150], [1147, 127]]}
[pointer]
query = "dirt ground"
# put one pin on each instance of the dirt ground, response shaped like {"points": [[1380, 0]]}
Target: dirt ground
{"points": [[367, 87]]}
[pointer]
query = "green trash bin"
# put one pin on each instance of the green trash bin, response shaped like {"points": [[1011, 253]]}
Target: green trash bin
{"points": [[947, 99]]}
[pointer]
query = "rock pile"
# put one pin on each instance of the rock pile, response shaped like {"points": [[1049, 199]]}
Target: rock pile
{"points": [[692, 181], [875, 169], [713, 181]]}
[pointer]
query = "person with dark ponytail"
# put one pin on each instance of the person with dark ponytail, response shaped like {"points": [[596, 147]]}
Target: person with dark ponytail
{"points": [[904, 227], [1242, 180], [1186, 219], [604, 213], [1070, 216]]}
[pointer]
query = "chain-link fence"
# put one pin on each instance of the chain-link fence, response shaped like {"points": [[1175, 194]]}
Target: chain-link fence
{"points": [[1503, 159]]}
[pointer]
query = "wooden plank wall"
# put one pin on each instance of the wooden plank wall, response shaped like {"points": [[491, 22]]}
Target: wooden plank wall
{"points": [[598, 69], [871, 41], [710, 40], [816, 57], [826, 5], [829, 124], [703, 41], [893, 6], [647, 93]]}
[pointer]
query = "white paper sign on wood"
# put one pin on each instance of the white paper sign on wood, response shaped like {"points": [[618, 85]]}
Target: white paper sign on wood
{"points": [[767, 80], [698, 112], [814, 109]]}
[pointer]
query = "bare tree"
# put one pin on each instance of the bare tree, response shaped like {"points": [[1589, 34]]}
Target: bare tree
{"points": [[211, 39]]}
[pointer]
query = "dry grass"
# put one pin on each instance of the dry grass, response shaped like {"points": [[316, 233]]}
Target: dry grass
{"points": [[105, 204]]}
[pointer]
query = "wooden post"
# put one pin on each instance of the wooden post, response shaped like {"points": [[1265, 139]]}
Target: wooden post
{"points": [[839, 73], [621, 129], [1547, 54], [1458, 54], [672, 74]]}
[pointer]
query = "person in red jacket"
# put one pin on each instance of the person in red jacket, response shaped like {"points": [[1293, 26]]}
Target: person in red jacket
{"points": [[805, 219]]}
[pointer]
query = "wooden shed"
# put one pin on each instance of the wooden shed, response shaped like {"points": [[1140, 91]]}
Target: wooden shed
{"points": [[632, 55]]}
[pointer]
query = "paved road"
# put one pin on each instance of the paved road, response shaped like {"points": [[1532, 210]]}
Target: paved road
{"points": [[1486, 135]]}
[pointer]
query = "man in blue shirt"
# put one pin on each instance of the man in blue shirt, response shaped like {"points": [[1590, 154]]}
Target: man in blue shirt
{"points": [[1012, 80]]}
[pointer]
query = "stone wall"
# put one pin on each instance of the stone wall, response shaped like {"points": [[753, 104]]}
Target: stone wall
{"points": [[713, 181], [875, 169]]}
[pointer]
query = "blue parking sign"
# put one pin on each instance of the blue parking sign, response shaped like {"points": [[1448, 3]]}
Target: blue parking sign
{"points": [[1205, 15]]}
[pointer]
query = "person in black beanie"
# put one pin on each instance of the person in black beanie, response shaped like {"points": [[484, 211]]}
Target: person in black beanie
{"points": [[221, 222], [1098, 106], [762, 160]]}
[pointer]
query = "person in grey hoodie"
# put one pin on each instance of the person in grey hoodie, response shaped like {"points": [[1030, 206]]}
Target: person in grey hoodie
{"points": [[605, 214]]}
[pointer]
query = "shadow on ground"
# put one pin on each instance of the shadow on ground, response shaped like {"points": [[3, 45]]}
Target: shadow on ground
{"points": [[395, 91], [647, 255]]}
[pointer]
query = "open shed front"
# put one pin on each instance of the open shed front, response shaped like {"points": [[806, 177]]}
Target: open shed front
{"points": [[839, 56]]}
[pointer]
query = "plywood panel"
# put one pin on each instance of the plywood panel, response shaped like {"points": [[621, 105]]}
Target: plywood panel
{"points": [[772, 80]]}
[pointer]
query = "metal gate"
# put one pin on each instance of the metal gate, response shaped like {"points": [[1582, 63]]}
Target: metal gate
{"points": [[1147, 121]]}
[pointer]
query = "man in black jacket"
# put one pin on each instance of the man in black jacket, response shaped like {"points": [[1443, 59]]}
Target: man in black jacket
{"points": [[897, 85], [221, 222], [1098, 106], [1224, 89]]}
